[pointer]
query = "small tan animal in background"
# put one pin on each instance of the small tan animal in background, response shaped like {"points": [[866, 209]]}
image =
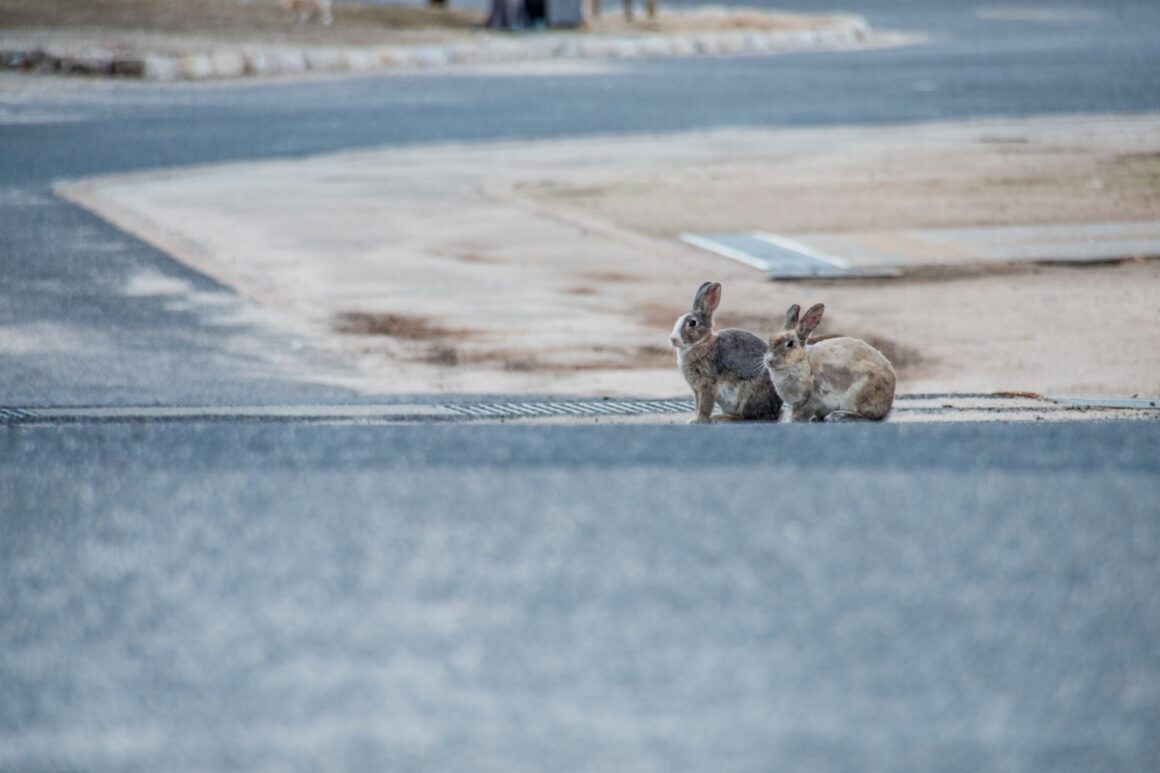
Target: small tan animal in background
{"points": [[305, 10], [725, 368], [839, 379]]}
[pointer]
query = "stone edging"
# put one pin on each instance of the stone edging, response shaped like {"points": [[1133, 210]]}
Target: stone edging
{"points": [[851, 32]]}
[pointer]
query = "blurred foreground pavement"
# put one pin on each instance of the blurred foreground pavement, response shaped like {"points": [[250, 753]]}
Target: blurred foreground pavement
{"points": [[247, 596]]}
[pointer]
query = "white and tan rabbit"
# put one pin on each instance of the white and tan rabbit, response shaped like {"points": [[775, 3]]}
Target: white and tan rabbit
{"points": [[725, 368], [839, 379]]}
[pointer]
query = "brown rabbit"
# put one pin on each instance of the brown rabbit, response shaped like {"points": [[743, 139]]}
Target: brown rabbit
{"points": [[839, 379], [725, 368]]}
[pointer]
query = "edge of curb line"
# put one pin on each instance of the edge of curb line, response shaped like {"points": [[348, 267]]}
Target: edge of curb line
{"points": [[227, 64]]}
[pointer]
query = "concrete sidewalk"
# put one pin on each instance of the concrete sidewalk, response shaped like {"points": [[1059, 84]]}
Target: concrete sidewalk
{"points": [[556, 267], [680, 33], [890, 253]]}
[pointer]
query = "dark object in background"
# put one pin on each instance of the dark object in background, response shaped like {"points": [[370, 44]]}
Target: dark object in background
{"points": [[536, 12], [506, 15], [565, 13], [520, 14]]}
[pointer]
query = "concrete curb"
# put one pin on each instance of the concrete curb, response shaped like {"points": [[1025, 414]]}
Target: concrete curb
{"points": [[908, 408], [850, 32]]}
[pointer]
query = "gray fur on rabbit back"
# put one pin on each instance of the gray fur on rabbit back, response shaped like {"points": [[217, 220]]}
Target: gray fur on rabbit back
{"points": [[724, 368], [739, 355], [744, 389], [731, 369]]}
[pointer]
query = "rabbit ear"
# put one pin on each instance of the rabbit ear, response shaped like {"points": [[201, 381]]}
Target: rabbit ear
{"points": [[707, 298], [700, 295], [791, 317], [810, 320]]}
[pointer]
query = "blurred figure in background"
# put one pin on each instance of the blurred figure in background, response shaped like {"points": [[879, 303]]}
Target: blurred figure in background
{"points": [[305, 10]]}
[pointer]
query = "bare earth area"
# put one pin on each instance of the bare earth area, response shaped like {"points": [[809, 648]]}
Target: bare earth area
{"points": [[554, 268], [224, 22]]}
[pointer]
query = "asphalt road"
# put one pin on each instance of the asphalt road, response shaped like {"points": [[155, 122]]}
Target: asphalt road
{"points": [[790, 598], [272, 596]]}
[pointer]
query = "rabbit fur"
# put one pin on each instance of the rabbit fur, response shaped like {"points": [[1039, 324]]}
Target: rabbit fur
{"points": [[723, 368], [838, 379]]}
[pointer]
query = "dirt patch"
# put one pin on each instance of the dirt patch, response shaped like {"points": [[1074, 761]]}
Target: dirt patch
{"points": [[403, 326], [662, 316], [999, 139], [230, 20], [445, 356], [445, 347], [606, 276], [1057, 176], [507, 360], [472, 257], [1133, 172], [608, 358], [709, 19], [655, 357]]}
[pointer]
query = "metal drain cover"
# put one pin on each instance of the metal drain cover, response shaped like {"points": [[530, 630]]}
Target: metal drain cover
{"points": [[780, 257], [510, 409], [565, 408]]}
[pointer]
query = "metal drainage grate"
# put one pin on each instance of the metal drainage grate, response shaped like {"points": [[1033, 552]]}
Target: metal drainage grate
{"points": [[531, 410], [15, 414]]}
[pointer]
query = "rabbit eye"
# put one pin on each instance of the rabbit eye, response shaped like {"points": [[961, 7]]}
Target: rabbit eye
{"points": [[789, 343], [692, 323]]}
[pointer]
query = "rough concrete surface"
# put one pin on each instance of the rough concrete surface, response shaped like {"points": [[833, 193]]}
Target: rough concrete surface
{"points": [[554, 267]]}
